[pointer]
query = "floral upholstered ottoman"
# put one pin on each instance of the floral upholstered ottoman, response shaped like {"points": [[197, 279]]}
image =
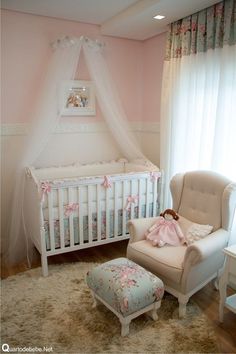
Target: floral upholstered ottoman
{"points": [[127, 289]]}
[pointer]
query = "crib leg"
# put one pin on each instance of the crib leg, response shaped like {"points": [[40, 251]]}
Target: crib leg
{"points": [[44, 264]]}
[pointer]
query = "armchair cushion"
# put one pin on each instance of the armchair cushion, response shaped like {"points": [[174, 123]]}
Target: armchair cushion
{"points": [[167, 260], [193, 231]]}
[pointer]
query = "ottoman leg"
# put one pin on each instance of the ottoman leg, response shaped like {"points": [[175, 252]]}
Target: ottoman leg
{"points": [[124, 326], [153, 314], [95, 301]]}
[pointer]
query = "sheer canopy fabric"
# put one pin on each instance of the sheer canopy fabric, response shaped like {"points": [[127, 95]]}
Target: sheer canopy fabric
{"points": [[110, 104], [62, 67]]}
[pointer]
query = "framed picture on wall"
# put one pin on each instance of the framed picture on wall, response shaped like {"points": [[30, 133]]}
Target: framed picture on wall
{"points": [[77, 98]]}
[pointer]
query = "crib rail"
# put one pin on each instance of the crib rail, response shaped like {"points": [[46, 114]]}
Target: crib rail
{"points": [[71, 214], [81, 215]]}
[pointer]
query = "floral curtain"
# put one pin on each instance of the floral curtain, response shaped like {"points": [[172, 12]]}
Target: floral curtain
{"points": [[210, 28]]}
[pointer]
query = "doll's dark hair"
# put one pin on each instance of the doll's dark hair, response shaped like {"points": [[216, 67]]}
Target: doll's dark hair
{"points": [[171, 212]]}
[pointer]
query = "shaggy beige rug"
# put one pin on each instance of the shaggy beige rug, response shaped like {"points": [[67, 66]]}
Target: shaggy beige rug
{"points": [[56, 312]]}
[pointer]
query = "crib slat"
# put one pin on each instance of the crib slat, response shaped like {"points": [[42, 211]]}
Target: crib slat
{"points": [[51, 221], [124, 211], [90, 230], [61, 218], [147, 197], [81, 231], [116, 210], [107, 213], [71, 216], [132, 204], [98, 212], [155, 182], [139, 198]]}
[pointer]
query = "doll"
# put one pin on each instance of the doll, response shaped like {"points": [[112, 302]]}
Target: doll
{"points": [[166, 230]]}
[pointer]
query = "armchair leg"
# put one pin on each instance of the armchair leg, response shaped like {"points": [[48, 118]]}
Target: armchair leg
{"points": [[183, 300], [216, 281]]}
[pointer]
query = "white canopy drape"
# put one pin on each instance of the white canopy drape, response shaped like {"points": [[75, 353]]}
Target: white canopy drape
{"points": [[62, 67]]}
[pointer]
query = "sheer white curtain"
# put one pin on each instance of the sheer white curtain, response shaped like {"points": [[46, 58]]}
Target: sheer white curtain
{"points": [[62, 67], [198, 114]]}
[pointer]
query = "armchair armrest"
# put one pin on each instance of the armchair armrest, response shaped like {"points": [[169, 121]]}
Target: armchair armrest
{"points": [[138, 227], [206, 247]]}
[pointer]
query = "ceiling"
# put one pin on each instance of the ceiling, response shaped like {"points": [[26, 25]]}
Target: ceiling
{"points": [[120, 18]]}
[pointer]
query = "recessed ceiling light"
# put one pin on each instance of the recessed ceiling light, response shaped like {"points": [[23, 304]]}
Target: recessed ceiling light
{"points": [[159, 17]]}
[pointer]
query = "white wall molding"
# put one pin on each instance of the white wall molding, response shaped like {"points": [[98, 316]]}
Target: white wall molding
{"points": [[14, 129], [75, 128], [150, 127]]}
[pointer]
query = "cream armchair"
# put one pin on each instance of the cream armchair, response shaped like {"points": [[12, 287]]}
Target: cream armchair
{"points": [[202, 197]]}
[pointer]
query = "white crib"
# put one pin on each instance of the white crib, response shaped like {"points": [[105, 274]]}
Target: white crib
{"points": [[80, 206]]}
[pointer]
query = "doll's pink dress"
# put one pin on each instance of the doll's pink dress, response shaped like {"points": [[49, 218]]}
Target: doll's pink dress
{"points": [[165, 232]]}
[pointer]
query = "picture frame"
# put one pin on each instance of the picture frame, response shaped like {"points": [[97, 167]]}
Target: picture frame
{"points": [[77, 98]]}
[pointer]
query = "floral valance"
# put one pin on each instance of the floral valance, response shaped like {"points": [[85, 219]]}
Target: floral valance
{"points": [[210, 28]]}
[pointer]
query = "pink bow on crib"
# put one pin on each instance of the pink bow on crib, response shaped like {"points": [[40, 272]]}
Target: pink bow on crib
{"points": [[155, 175], [131, 200], [45, 189], [107, 182], [70, 208]]}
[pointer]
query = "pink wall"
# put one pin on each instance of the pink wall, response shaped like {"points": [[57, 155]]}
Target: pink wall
{"points": [[154, 51], [135, 66]]}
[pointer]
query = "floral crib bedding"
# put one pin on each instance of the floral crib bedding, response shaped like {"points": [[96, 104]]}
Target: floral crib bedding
{"points": [[94, 226]]}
